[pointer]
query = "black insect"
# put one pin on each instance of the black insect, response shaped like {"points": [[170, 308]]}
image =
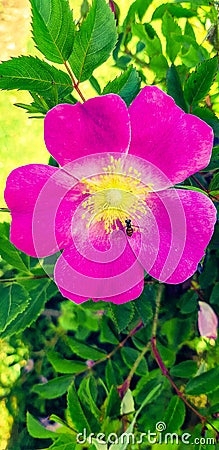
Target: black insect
{"points": [[129, 229]]}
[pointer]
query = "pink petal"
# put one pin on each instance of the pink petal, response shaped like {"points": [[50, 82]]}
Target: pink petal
{"points": [[178, 144], [207, 321], [114, 275], [42, 202], [182, 228], [101, 124]]}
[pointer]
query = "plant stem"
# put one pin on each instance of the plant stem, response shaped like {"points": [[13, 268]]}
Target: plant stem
{"points": [[14, 280], [74, 82], [163, 368], [178, 392], [4, 210], [125, 386]]}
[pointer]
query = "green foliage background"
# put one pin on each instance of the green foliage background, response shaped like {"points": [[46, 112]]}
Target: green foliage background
{"points": [[64, 362]]}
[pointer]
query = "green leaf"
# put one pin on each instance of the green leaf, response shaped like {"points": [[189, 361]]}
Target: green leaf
{"points": [[177, 331], [9, 253], [127, 404], [33, 310], [204, 383], [53, 388], [214, 160], [36, 430], [53, 28], [84, 350], [108, 331], [153, 45], [214, 185], [75, 411], [175, 414], [170, 30], [94, 41], [174, 10], [63, 443], [209, 117], [185, 369], [199, 82], [122, 315], [129, 355], [145, 303], [63, 365], [214, 298], [127, 85], [113, 376], [174, 87], [14, 300], [32, 74], [168, 355], [141, 7], [112, 404], [159, 65]]}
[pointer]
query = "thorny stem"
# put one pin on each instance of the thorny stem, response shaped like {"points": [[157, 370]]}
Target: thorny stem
{"points": [[164, 369], [74, 82]]}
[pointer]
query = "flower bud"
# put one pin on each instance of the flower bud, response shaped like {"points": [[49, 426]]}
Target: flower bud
{"points": [[207, 321]]}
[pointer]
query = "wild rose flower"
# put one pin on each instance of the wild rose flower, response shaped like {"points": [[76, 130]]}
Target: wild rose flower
{"points": [[111, 209], [207, 321]]}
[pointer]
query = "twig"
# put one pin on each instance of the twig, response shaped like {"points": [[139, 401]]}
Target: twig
{"points": [[14, 280], [74, 82], [4, 210]]}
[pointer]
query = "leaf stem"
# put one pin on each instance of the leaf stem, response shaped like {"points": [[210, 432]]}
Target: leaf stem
{"points": [[74, 82]]}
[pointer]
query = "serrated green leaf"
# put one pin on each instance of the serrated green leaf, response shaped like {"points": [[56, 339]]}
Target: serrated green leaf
{"points": [[53, 28], [159, 65], [122, 315], [129, 356], [108, 331], [53, 388], [177, 331], [94, 41], [63, 365], [175, 414], [75, 411], [204, 383], [14, 300], [33, 310], [199, 82], [84, 350], [127, 85], [36, 430], [174, 87], [141, 7], [9, 253], [170, 30], [185, 369], [168, 355], [32, 74], [209, 117]]}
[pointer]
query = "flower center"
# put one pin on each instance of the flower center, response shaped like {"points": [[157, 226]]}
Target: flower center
{"points": [[114, 196]]}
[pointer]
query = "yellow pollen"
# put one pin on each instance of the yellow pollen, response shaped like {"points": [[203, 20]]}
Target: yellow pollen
{"points": [[115, 196]]}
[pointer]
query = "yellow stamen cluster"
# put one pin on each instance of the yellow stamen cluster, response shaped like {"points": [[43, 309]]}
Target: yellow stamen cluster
{"points": [[115, 195]]}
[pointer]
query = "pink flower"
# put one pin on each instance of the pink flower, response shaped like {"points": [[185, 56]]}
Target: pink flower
{"points": [[118, 165], [207, 321]]}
